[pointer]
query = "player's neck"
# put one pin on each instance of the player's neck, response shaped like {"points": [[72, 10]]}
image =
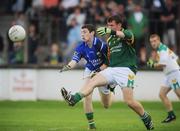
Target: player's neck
{"points": [[90, 42]]}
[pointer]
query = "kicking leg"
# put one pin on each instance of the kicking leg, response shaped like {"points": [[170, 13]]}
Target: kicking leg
{"points": [[97, 80]]}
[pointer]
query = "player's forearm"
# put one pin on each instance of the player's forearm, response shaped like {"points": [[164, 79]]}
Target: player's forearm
{"points": [[120, 34], [72, 64], [158, 66]]}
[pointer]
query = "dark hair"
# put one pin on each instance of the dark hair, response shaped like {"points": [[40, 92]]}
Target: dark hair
{"points": [[117, 18], [90, 27], [155, 35]]}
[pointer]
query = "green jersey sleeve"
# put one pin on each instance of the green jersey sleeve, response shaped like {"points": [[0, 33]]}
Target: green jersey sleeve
{"points": [[129, 37]]}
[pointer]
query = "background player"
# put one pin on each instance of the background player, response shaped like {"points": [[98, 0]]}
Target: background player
{"points": [[121, 70], [94, 51], [168, 61]]}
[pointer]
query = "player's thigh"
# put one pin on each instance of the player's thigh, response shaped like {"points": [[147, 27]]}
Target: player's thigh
{"points": [[164, 90], [124, 77], [127, 94], [98, 80], [86, 81], [177, 91]]}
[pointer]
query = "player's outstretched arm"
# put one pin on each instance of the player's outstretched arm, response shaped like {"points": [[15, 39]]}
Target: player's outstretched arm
{"points": [[72, 64]]}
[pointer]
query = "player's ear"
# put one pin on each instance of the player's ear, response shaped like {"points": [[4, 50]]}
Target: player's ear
{"points": [[93, 33]]}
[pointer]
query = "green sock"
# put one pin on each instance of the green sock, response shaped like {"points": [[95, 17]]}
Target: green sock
{"points": [[90, 118], [171, 113], [78, 96]]}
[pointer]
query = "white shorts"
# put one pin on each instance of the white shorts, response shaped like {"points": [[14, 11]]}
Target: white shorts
{"points": [[172, 80], [102, 89], [121, 76]]}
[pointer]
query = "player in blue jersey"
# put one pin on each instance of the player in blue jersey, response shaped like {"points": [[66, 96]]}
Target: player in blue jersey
{"points": [[94, 51]]}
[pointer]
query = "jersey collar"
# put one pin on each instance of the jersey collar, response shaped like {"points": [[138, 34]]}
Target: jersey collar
{"points": [[93, 43]]}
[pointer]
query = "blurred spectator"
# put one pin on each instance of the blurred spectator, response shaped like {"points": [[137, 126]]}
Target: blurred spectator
{"points": [[74, 36], [138, 23], [130, 6], [1, 50], [17, 56], [54, 58], [32, 14], [20, 19], [41, 54], [155, 8], [69, 3], [143, 57], [78, 15], [1, 43], [120, 10], [168, 18], [32, 44], [18, 6]]}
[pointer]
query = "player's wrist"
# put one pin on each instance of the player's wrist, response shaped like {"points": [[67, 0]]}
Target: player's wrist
{"points": [[113, 32]]}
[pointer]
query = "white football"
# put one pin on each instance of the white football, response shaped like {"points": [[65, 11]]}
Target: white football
{"points": [[17, 33]]}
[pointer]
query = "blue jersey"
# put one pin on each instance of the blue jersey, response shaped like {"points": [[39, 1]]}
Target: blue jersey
{"points": [[95, 56]]}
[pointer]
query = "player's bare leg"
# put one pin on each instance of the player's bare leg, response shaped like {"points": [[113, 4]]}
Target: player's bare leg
{"points": [[137, 107], [97, 81], [106, 99], [163, 96], [177, 91], [88, 109], [167, 103]]}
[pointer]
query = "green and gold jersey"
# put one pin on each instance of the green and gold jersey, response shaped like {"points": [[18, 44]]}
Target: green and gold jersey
{"points": [[121, 52]]}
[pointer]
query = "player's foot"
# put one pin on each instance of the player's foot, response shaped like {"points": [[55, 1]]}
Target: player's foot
{"points": [[92, 127], [148, 122], [169, 119], [68, 97]]}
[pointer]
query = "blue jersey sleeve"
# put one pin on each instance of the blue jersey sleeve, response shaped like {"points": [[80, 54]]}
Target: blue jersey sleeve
{"points": [[77, 54]]}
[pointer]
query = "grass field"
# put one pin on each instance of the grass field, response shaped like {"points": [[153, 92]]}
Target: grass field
{"points": [[57, 116]]}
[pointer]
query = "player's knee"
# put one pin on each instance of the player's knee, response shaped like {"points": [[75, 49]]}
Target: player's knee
{"points": [[92, 83]]}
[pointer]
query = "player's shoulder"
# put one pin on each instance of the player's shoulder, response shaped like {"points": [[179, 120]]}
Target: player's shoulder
{"points": [[162, 48], [100, 41], [80, 44], [97, 40], [127, 31]]}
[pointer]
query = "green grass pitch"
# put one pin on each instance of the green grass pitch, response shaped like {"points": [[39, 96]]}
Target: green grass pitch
{"points": [[57, 116]]}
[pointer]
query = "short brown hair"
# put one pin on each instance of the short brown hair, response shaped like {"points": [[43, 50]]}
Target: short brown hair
{"points": [[90, 27], [117, 18], [155, 35]]}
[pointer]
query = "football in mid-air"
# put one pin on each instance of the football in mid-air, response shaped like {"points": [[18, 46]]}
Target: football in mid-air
{"points": [[17, 33]]}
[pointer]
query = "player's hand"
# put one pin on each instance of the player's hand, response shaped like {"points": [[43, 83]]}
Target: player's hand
{"points": [[92, 74], [150, 63], [65, 68], [103, 31]]}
